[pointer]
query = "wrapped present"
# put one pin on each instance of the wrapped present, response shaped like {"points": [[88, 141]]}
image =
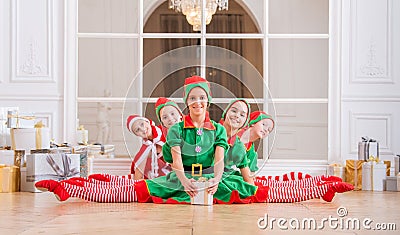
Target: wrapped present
{"points": [[58, 166], [101, 151], [368, 147], [30, 138], [388, 164], [336, 169], [203, 197], [9, 179], [373, 175], [82, 151], [353, 173], [396, 164], [7, 157], [25, 185], [392, 183], [16, 120], [82, 135]]}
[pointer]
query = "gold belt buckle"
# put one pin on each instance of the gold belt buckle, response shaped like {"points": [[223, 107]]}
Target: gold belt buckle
{"points": [[195, 167]]}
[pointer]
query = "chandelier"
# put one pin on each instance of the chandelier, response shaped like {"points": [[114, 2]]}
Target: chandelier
{"points": [[192, 10]]}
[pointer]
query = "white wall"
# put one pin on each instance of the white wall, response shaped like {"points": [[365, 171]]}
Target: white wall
{"points": [[32, 75], [31, 70], [371, 75]]}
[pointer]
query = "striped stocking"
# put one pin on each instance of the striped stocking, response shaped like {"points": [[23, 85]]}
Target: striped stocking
{"points": [[325, 191], [289, 176], [97, 193]]}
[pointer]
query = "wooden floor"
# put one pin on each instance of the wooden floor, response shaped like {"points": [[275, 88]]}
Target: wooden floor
{"points": [[41, 213]]}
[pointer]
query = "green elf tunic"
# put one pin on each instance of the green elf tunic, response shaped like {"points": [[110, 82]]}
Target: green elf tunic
{"points": [[197, 147], [252, 157]]}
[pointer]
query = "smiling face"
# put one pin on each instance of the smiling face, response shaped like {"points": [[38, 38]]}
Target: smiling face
{"points": [[141, 128], [169, 115], [261, 129], [236, 115], [197, 101]]}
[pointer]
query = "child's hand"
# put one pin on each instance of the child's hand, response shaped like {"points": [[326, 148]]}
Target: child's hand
{"points": [[213, 185], [189, 187]]}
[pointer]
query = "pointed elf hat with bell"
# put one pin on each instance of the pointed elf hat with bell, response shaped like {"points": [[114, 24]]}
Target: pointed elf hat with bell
{"points": [[230, 105], [196, 81], [133, 118], [257, 116], [161, 103]]}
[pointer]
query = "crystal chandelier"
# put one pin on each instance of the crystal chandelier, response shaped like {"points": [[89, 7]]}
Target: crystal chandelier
{"points": [[192, 10]]}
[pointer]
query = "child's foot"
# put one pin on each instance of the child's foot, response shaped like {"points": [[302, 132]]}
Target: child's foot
{"points": [[47, 185], [53, 186], [331, 178], [338, 187]]}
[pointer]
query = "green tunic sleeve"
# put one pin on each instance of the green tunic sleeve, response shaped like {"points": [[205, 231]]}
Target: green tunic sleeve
{"points": [[236, 155], [174, 138], [220, 138], [252, 157]]}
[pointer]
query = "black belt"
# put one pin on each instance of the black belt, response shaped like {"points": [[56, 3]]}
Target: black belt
{"points": [[198, 170]]}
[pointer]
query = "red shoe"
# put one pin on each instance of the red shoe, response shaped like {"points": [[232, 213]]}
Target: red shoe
{"points": [[53, 186], [338, 187], [75, 181], [99, 177], [47, 185], [331, 178]]}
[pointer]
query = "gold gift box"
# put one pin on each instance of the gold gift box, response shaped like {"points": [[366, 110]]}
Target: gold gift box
{"points": [[9, 179], [353, 172]]}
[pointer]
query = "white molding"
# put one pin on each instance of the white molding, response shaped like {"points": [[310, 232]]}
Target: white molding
{"points": [[32, 76], [370, 116], [32, 98], [70, 71], [355, 78], [114, 166], [371, 99]]}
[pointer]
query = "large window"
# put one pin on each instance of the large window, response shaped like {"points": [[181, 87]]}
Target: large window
{"points": [[287, 42]]}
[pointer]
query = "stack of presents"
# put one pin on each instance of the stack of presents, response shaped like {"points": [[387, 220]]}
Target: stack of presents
{"points": [[28, 154], [368, 172]]}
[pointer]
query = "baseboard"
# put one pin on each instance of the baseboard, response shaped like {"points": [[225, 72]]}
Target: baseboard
{"points": [[113, 166], [121, 166]]}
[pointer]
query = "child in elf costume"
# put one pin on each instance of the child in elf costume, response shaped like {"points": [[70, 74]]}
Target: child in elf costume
{"points": [[196, 140], [148, 162]]}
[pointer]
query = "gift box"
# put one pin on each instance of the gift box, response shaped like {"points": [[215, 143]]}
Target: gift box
{"points": [[203, 197], [82, 151], [392, 183], [368, 147], [336, 170], [9, 179], [58, 167], [82, 135], [101, 151], [7, 157], [25, 185], [373, 175], [396, 164], [353, 173], [30, 138]]}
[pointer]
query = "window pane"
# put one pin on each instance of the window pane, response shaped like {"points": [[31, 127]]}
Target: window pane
{"points": [[103, 119], [241, 17], [106, 66], [164, 75], [299, 16], [116, 16], [302, 132], [298, 68], [247, 66], [163, 19]]}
